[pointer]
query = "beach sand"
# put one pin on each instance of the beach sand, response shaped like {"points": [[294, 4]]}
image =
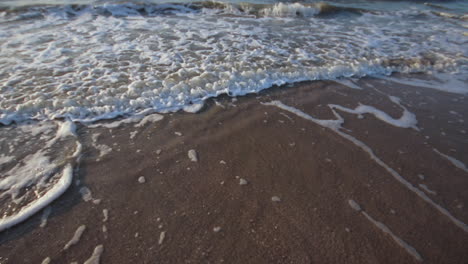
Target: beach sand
{"points": [[300, 177]]}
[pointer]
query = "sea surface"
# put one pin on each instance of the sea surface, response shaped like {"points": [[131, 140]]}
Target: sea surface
{"points": [[91, 60], [63, 62]]}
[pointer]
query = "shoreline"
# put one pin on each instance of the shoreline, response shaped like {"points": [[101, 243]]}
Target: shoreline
{"points": [[208, 216]]}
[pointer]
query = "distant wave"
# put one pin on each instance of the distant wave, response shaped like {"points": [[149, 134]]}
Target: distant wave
{"points": [[143, 9], [281, 9]]}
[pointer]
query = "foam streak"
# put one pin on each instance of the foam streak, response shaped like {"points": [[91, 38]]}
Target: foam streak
{"points": [[335, 126]]}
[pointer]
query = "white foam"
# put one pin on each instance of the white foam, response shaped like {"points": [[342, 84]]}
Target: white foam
{"points": [[103, 149], [166, 62], [37, 166], [354, 205], [349, 83], [407, 119], [58, 189], [193, 108], [149, 119], [335, 125], [411, 250], [45, 216], [116, 124], [34, 170], [290, 10], [96, 256], [288, 117], [133, 134], [76, 237], [86, 194], [5, 159], [426, 189], [453, 160], [450, 83], [65, 129]]}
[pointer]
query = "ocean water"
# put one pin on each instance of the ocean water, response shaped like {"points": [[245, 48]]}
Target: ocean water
{"points": [[90, 60], [80, 61]]}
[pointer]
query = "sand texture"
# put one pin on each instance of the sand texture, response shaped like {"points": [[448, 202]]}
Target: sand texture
{"points": [[267, 185]]}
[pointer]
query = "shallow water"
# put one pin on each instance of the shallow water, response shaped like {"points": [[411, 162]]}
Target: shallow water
{"points": [[64, 61], [101, 60]]}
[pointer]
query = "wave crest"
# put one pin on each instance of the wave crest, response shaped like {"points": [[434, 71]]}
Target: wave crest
{"points": [[134, 9]]}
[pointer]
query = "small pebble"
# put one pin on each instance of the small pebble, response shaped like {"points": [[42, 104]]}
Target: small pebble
{"points": [[242, 182], [161, 237], [217, 229], [275, 199], [141, 179], [105, 212], [192, 154]]}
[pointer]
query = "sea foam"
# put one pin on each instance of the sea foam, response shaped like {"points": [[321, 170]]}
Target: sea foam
{"points": [[31, 182], [93, 62]]}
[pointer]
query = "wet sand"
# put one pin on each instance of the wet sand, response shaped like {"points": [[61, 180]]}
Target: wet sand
{"points": [[207, 216]]}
